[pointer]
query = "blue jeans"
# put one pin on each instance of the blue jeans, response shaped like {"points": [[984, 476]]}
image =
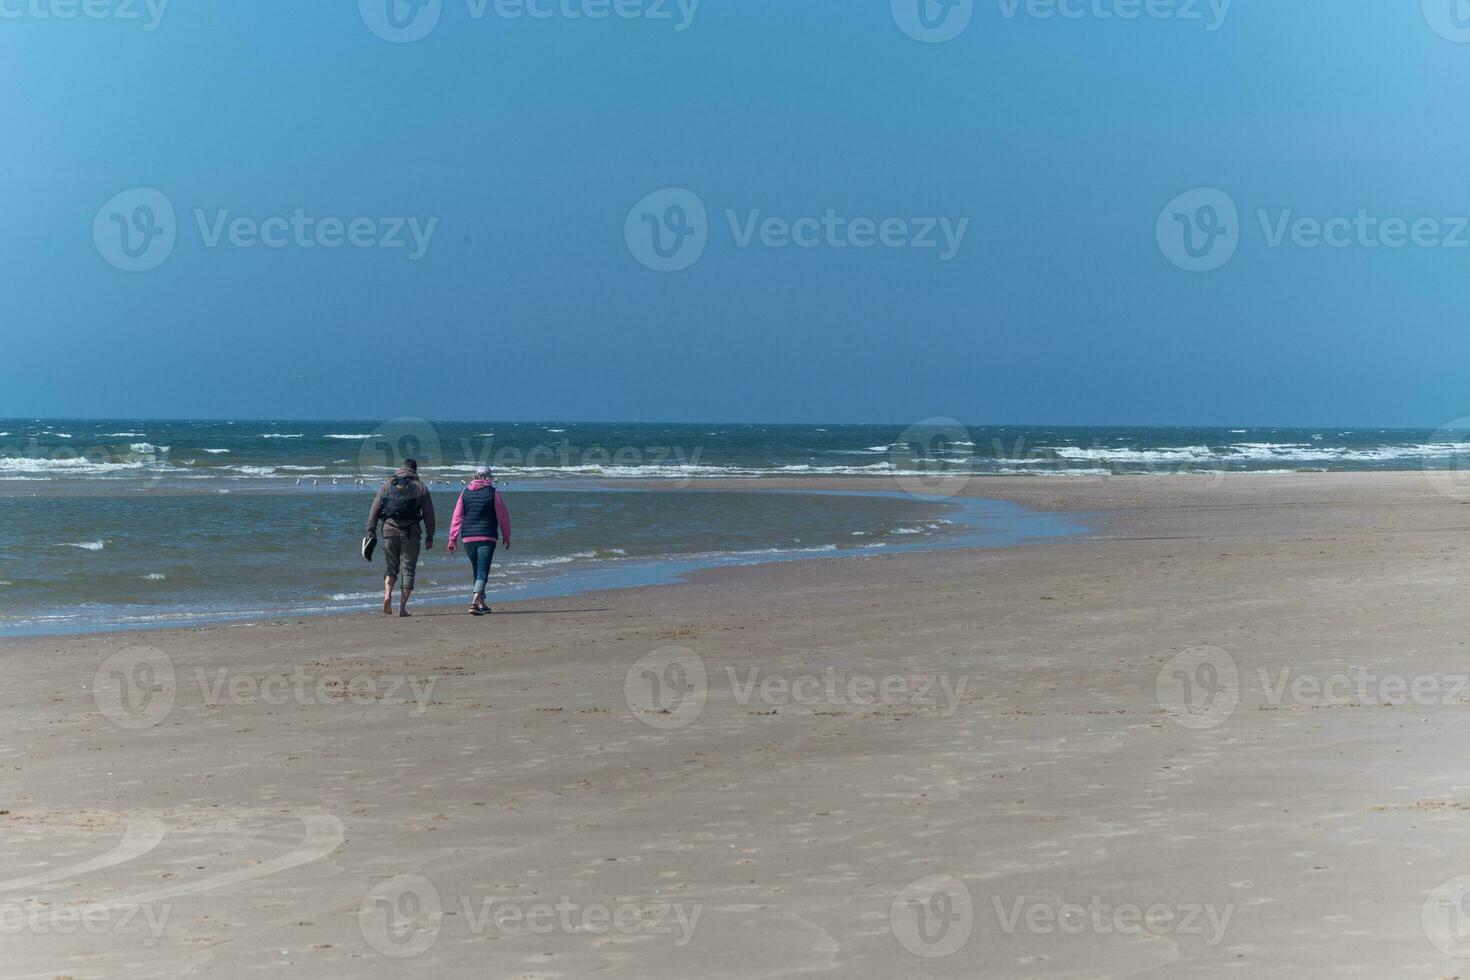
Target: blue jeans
{"points": [[479, 554]]}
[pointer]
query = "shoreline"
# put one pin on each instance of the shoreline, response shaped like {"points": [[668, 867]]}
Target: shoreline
{"points": [[979, 522], [1087, 507]]}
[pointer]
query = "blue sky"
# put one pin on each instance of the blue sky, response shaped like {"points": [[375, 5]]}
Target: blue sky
{"points": [[527, 142]]}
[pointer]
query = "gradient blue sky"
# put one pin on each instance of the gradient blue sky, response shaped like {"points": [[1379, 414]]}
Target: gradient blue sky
{"points": [[1060, 140]]}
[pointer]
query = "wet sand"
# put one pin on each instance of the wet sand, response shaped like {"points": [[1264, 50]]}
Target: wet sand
{"points": [[1220, 736]]}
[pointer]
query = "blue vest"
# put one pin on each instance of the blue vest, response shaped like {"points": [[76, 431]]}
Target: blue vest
{"points": [[479, 520]]}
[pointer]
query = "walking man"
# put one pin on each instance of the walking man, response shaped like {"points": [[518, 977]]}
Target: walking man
{"points": [[404, 506]]}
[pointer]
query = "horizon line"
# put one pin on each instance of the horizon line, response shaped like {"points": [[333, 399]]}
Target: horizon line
{"points": [[735, 422]]}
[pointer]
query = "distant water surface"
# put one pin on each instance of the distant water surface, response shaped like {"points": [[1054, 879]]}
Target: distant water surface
{"points": [[308, 452]]}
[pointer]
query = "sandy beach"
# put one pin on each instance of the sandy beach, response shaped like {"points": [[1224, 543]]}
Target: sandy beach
{"points": [[1221, 735]]}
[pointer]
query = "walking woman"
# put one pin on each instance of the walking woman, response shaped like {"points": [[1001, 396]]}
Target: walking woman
{"points": [[480, 521]]}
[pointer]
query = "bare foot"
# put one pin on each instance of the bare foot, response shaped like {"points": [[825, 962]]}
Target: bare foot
{"points": [[404, 614], [388, 606]]}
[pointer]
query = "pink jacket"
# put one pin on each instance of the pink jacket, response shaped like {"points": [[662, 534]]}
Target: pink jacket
{"points": [[501, 515]]}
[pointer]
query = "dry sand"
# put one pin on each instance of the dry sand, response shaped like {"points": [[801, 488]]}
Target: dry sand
{"points": [[1052, 774]]}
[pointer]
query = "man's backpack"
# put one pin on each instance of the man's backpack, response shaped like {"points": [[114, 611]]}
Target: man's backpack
{"points": [[401, 501]]}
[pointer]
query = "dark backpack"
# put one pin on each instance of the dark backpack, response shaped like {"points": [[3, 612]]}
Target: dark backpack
{"points": [[401, 501]]}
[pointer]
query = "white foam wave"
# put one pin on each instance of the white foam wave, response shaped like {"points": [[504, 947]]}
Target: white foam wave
{"points": [[1071, 471], [1270, 452], [560, 559], [86, 545], [78, 466], [1182, 453]]}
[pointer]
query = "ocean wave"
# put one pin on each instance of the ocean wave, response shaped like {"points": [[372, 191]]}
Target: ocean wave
{"points": [[123, 435], [1072, 471], [1270, 452], [147, 447], [1133, 455], [559, 559], [280, 435], [86, 545], [78, 466], [339, 435], [216, 452], [754, 552], [690, 471]]}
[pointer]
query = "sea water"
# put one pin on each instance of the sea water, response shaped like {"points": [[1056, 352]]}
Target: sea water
{"points": [[135, 523]]}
